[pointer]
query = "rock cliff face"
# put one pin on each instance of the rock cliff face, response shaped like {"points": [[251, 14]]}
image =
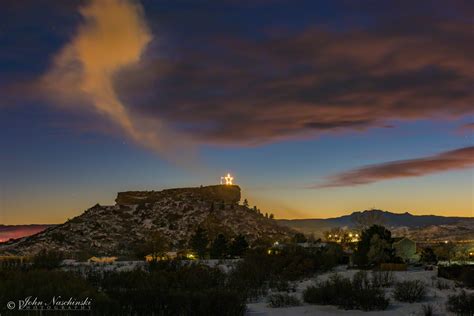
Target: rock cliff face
{"points": [[226, 193], [175, 213]]}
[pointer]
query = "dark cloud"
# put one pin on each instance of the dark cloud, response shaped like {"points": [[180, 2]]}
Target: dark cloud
{"points": [[232, 73], [450, 160], [274, 86]]}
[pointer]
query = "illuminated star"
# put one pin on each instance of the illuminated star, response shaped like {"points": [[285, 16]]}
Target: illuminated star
{"points": [[228, 179]]}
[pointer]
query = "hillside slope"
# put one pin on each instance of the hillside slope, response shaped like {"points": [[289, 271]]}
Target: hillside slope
{"points": [[175, 213]]}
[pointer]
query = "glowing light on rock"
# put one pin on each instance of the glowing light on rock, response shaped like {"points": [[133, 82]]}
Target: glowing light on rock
{"points": [[227, 180]]}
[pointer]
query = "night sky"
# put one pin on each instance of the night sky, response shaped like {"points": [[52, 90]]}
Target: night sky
{"points": [[318, 108]]}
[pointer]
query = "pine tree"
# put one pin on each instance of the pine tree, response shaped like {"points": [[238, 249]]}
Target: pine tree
{"points": [[219, 247], [156, 245], [379, 250], [199, 242], [238, 246], [428, 255], [365, 242]]}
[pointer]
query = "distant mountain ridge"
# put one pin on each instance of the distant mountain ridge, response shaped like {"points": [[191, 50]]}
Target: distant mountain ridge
{"points": [[389, 219], [175, 213], [398, 222], [8, 232]]}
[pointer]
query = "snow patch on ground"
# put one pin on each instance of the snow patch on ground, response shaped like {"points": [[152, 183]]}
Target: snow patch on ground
{"points": [[435, 297]]}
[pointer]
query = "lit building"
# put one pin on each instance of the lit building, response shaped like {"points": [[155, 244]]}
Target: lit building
{"points": [[166, 256], [102, 259]]}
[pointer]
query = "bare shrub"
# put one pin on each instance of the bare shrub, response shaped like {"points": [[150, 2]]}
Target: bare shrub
{"points": [[410, 291], [461, 304], [382, 278], [347, 294], [427, 310], [282, 300], [442, 285]]}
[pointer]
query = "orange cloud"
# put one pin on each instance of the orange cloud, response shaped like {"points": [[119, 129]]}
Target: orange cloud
{"points": [[112, 37], [450, 160]]}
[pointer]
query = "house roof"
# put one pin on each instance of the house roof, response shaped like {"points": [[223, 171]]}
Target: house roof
{"points": [[404, 240]]}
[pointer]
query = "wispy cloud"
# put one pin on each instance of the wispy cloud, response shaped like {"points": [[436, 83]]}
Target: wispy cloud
{"points": [[112, 37], [450, 160]]}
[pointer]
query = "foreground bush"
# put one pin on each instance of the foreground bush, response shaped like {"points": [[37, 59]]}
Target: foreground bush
{"points": [[170, 288], [382, 278], [282, 300], [462, 273], [45, 284], [462, 304], [329, 292], [347, 294], [427, 310], [441, 285], [47, 260], [410, 291], [173, 289], [259, 271], [467, 278]]}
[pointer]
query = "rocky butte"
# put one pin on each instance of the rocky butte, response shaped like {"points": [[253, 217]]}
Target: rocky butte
{"points": [[230, 194], [175, 213]]}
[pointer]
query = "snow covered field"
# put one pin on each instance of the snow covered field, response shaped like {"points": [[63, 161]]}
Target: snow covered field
{"points": [[435, 297]]}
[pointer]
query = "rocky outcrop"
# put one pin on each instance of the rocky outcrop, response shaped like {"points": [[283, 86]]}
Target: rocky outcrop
{"points": [[226, 193], [175, 213]]}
